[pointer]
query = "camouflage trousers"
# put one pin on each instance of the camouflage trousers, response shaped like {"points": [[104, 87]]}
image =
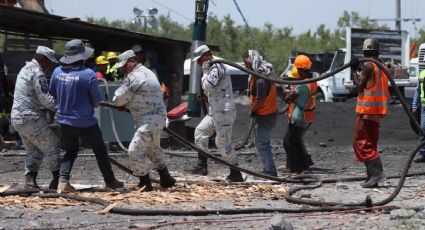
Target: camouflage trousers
{"points": [[222, 124], [40, 142], [145, 151]]}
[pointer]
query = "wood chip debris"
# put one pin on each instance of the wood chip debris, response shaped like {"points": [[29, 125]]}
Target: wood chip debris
{"points": [[181, 193]]}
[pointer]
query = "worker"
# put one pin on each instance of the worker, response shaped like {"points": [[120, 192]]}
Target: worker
{"points": [[419, 103], [141, 94], [293, 73], [30, 98], [372, 106], [262, 98], [301, 113], [5, 102], [75, 88], [221, 116], [113, 69], [102, 67]]}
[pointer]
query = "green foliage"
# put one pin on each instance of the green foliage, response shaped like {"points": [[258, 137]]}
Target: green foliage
{"points": [[277, 43]]}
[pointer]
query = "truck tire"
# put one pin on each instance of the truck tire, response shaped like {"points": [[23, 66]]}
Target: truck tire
{"points": [[320, 97]]}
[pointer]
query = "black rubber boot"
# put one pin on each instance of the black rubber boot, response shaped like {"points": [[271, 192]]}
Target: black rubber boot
{"points": [[55, 181], [366, 164], [145, 181], [377, 173], [31, 180], [166, 180], [201, 168], [234, 176]]}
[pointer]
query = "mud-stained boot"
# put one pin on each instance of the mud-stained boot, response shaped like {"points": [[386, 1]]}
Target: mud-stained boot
{"points": [[166, 180], [31, 180], [366, 163], [145, 181], [55, 181], [377, 173], [201, 168], [234, 176], [65, 187]]}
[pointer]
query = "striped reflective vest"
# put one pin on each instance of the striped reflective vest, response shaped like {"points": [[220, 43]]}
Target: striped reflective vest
{"points": [[310, 107], [374, 100], [421, 87], [270, 103]]}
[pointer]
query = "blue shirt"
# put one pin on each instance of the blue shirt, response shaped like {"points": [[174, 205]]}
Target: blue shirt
{"points": [[77, 93]]}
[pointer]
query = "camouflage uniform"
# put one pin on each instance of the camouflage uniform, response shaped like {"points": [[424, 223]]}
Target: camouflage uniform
{"points": [[222, 113], [31, 96], [141, 94]]}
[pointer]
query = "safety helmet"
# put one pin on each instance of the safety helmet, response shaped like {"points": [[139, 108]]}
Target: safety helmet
{"points": [[302, 62], [371, 44], [293, 73], [101, 60], [111, 55]]}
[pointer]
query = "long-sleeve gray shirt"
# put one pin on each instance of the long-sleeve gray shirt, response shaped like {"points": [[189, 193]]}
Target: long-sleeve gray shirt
{"points": [[31, 93]]}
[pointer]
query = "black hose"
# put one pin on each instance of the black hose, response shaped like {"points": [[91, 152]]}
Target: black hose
{"points": [[162, 212], [248, 134]]}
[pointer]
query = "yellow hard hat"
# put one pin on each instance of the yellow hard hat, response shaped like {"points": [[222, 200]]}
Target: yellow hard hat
{"points": [[101, 60], [294, 73], [111, 55]]}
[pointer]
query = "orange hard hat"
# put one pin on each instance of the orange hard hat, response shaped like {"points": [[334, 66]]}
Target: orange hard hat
{"points": [[293, 73], [302, 62]]}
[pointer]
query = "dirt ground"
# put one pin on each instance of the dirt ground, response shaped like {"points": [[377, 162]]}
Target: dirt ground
{"points": [[328, 141]]}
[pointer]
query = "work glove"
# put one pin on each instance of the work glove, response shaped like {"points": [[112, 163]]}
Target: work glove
{"points": [[354, 63], [206, 66]]}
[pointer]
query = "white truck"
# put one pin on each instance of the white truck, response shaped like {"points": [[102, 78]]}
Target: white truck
{"points": [[394, 49], [421, 58]]}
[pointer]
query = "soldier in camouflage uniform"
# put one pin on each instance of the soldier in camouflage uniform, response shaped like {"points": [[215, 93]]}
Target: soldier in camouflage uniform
{"points": [[141, 94], [31, 97], [217, 86]]}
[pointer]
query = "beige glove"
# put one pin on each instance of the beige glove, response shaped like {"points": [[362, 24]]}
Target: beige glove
{"points": [[206, 66]]}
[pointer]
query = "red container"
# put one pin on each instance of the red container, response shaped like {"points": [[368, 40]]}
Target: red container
{"points": [[178, 111]]}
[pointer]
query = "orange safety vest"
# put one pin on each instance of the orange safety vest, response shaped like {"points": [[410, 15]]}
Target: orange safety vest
{"points": [[270, 103], [310, 107], [374, 100]]}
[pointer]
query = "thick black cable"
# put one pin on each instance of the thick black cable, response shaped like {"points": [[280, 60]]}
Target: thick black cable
{"points": [[163, 212]]}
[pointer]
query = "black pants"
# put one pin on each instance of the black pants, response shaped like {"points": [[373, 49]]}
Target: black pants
{"points": [[93, 137], [297, 158]]}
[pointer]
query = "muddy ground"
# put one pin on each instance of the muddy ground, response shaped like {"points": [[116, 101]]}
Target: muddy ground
{"points": [[328, 141]]}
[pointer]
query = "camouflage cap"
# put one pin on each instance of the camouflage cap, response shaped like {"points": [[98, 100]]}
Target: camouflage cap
{"points": [[123, 58], [47, 52]]}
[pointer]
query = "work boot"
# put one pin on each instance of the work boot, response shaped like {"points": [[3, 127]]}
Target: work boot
{"points": [[166, 180], [145, 181], [55, 181], [234, 176], [31, 180], [65, 187], [201, 168], [376, 172], [366, 163], [115, 184]]}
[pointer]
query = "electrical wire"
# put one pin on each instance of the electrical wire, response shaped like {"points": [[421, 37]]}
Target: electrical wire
{"points": [[172, 10]]}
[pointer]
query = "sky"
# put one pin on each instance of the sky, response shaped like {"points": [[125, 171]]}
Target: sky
{"points": [[301, 15]]}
